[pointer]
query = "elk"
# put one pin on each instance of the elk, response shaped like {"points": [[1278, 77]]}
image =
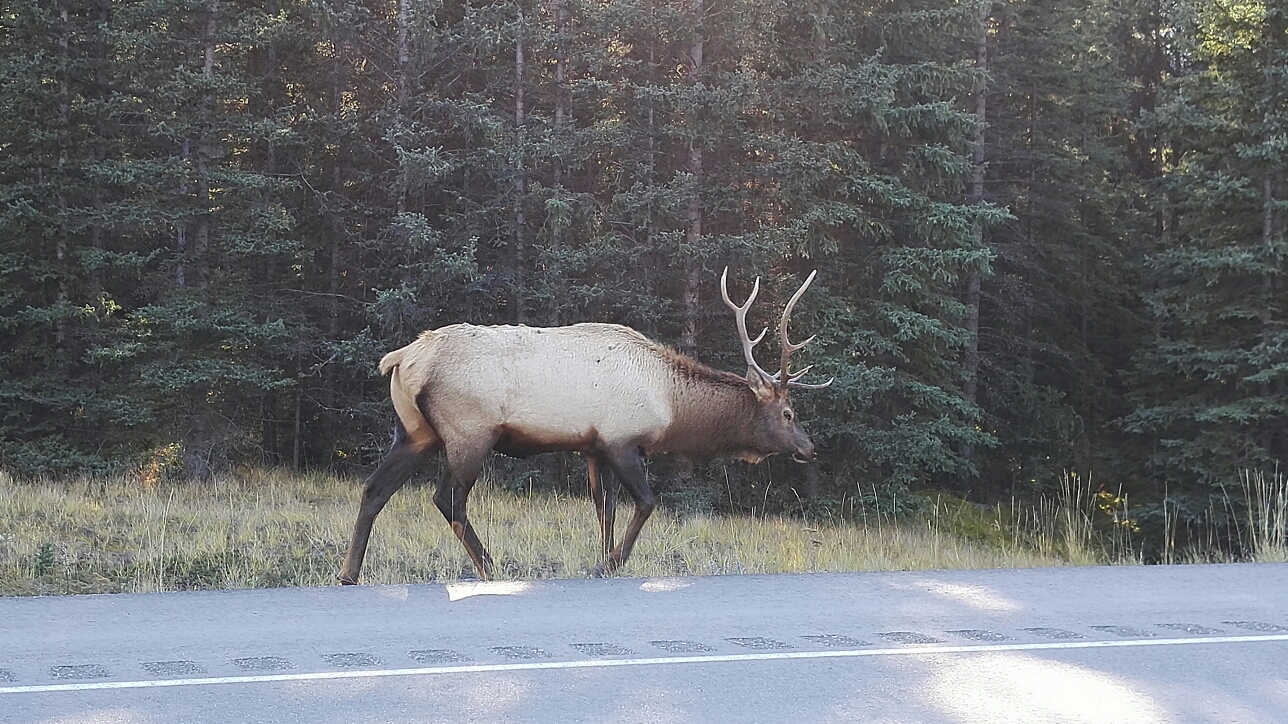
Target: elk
{"points": [[602, 390]]}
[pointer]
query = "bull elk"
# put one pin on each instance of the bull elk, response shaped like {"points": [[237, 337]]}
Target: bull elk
{"points": [[602, 390]]}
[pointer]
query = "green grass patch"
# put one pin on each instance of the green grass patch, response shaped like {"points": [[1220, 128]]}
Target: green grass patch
{"points": [[262, 528]]}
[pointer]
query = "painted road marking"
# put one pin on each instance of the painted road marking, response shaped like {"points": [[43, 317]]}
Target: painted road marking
{"points": [[1191, 628], [606, 663], [975, 634], [1126, 632], [263, 663], [79, 671], [520, 652], [437, 656], [1055, 633], [600, 649], [350, 661], [1258, 626], [173, 668], [909, 637], [835, 641], [681, 647], [758, 642]]}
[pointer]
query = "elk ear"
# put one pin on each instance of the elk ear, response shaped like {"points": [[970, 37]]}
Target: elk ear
{"points": [[764, 388]]}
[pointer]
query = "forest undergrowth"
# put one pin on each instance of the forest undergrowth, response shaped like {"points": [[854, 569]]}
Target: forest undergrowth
{"points": [[264, 528]]}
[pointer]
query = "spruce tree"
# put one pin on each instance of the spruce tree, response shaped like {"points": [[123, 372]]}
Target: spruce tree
{"points": [[1211, 382]]}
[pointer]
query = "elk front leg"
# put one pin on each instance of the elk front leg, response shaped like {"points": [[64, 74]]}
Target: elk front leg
{"points": [[605, 497], [629, 467], [463, 466]]}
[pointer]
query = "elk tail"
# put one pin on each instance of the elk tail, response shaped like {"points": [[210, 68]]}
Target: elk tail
{"points": [[420, 433]]}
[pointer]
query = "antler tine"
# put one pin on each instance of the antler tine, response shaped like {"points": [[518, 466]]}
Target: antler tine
{"points": [[800, 373], [786, 377], [792, 380], [740, 317], [809, 386]]}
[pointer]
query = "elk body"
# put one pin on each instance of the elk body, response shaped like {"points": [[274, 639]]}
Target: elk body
{"points": [[602, 390]]}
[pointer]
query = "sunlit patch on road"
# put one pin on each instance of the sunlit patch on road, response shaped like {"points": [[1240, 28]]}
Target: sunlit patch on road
{"points": [[664, 585], [458, 591], [1020, 687], [980, 598]]}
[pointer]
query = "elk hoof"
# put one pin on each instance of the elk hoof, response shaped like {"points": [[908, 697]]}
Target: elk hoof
{"points": [[346, 581]]}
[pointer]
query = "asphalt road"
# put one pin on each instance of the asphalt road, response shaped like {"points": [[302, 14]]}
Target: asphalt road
{"points": [[1131, 644]]}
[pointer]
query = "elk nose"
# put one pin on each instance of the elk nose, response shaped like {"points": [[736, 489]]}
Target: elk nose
{"points": [[804, 454]]}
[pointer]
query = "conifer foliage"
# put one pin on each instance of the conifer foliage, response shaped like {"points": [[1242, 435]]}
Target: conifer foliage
{"points": [[1037, 224], [1212, 378]]}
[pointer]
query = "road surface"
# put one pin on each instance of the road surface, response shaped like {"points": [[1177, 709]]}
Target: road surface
{"points": [[1204, 643]]}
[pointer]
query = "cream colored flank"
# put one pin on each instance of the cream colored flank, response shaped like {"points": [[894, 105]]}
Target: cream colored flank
{"points": [[573, 388]]}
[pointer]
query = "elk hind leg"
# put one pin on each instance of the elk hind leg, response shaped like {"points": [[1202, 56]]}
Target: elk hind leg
{"points": [[464, 462], [629, 467], [402, 461]]}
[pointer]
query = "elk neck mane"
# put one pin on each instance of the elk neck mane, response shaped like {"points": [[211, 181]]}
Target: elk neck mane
{"points": [[690, 370], [711, 407]]}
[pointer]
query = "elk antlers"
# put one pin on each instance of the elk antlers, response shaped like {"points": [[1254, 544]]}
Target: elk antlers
{"points": [[784, 378]]}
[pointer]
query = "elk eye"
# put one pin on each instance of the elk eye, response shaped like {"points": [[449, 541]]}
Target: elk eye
{"points": [[787, 414]]}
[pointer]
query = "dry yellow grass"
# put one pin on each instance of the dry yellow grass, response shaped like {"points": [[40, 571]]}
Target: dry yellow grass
{"points": [[266, 528]]}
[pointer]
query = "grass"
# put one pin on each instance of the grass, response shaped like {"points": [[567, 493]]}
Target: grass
{"points": [[271, 528], [1265, 529], [260, 528]]}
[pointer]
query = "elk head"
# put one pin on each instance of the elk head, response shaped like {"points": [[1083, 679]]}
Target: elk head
{"points": [[776, 427]]}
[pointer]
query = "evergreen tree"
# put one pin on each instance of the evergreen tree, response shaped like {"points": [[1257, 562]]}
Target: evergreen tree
{"points": [[66, 259], [1210, 399], [1059, 320]]}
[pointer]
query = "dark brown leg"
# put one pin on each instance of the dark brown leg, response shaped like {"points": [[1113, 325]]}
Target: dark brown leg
{"points": [[605, 496], [463, 468], [402, 461], [629, 467]]}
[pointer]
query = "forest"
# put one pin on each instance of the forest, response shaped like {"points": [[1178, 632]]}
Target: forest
{"points": [[1049, 234]]}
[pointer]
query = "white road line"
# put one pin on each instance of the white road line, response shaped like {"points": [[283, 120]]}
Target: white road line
{"points": [[658, 661]]}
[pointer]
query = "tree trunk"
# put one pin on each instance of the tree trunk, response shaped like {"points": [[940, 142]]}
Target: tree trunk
{"points": [[102, 130], [650, 253], [205, 152], [693, 235], [60, 199], [404, 53], [970, 361], [560, 138], [518, 290], [1268, 215], [561, 74], [181, 229]]}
